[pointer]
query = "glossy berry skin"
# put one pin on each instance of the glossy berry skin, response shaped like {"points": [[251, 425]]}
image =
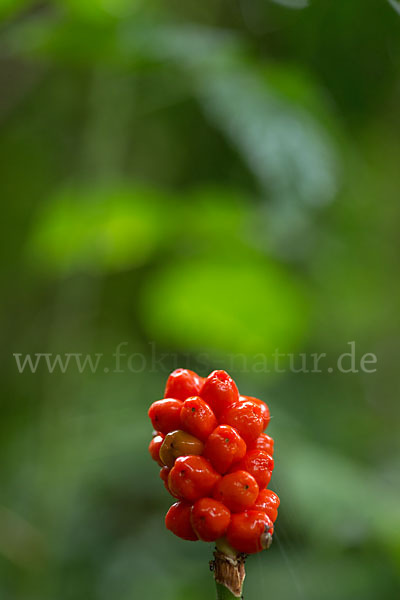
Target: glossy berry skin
{"points": [[219, 391], [224, 447], [154, 448], [192, 477], [164, 472], [210, 519], [197, 418], [264, 442], [268, 502], [263, 406], [257, 463], [250, 531], [247, 418], [182, 384], [177, 520], [179, 443], [166, 414], [237, 491]]}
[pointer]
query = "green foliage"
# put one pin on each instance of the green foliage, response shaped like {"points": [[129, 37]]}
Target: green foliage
{"points": [[239, 305], [98, 230]]}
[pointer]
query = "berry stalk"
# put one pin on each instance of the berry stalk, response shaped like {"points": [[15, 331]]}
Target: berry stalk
{"points": [[229, 571], [224, 594]]}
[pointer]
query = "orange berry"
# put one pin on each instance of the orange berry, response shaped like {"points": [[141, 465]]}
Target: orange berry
{"points": [[237, 490], [165, 414], [264, 442], [219, 391], [183, 383], [154, 448], [250, 531], [198, 418], [210, 519], [263, 406], [269, 502], [246, 417], [223, 447], [177, 520], [257, 463], [192, 477]]}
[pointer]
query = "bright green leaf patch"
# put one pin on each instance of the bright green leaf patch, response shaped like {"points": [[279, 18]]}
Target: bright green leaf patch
{"points": [[98, 231], [232, 305]]}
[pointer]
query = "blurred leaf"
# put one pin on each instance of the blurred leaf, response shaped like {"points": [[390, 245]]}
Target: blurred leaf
{"points": [[284, 146], [297, 4], [218, 215], [338, 501], [395, 4], [236, 305], [20, 541], [295, 573], [102, 9], [10, 7], [69, 40], [288, 150], [98, 230]]}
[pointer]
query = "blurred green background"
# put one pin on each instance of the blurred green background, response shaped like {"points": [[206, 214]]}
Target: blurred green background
{"points": [[204, 182]]}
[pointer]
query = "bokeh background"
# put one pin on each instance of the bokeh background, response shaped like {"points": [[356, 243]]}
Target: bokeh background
{"points": [[203, 182]]}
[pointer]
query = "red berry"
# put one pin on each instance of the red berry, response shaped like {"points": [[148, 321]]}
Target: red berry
{"points": [[219, 391], [164, 472], [192, 477], [197, 418], [263, 406], [154, 448], [250, 531], [177, 520], [264, 442], [237, 490], [269, 502], [165, 414], [210, 519], [223, 447], [257, 463], [247, 418], [182, 384]]}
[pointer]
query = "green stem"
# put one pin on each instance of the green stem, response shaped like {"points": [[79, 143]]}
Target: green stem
{"points": [[223, 593]]}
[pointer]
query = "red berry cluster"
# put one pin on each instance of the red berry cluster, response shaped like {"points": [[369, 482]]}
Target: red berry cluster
{"points": [[216, 460]]}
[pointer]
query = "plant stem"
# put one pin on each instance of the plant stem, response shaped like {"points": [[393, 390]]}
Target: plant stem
{"points": [[229, 572], [223, 593]]}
